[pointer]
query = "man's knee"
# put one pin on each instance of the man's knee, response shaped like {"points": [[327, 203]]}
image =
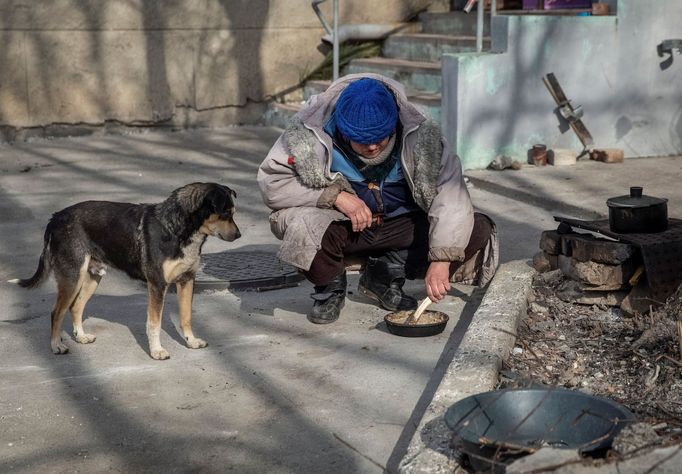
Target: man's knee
{"points": [[482, 231]]}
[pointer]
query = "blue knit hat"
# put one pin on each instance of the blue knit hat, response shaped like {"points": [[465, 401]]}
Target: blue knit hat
{"points": [[366, 112]]}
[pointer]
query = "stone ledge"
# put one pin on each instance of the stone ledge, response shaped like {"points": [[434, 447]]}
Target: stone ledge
{"points": [[474, 367]]}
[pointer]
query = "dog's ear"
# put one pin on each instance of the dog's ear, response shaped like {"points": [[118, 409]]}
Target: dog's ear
{"points": [[219, 199], [230, 194]]}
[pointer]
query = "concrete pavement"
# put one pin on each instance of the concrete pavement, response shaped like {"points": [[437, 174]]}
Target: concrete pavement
{"points": [[272, 392], [582, 190]]}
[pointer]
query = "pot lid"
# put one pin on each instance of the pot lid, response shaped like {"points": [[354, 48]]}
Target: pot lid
{"points": [[635, 199]]}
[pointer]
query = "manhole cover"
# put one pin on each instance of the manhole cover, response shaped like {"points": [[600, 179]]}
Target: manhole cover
{"points": [[258, 271]]}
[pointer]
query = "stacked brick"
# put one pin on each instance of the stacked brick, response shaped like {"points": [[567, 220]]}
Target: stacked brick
{"points": [[595, 270]]}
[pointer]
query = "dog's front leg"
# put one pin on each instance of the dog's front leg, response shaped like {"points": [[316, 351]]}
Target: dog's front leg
{"points": [[156, 295], [185, 290]]}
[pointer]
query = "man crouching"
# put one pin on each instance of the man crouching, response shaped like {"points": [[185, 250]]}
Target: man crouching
{"points": [[361, 172]]}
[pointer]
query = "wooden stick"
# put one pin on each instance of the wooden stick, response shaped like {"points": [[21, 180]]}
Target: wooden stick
{"points": [[414, 318], [635, 278]]}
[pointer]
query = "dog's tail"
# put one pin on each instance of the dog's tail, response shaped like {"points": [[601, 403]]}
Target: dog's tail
{"points": [[43, 270]]}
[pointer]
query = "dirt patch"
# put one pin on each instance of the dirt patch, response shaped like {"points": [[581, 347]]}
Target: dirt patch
{"points": [[598, 350]]}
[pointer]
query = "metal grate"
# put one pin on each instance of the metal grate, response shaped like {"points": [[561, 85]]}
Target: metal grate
{"points": [[661, 252], [243, 271]]}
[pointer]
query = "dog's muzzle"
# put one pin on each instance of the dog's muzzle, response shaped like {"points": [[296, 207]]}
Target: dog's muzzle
{"points": [[229, 236]]}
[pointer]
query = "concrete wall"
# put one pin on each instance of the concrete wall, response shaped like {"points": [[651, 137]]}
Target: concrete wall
{"points": [[632, 99], [147, 62]]}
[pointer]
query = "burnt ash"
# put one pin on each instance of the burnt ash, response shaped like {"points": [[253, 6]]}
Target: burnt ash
{"points": [[590, 348]]}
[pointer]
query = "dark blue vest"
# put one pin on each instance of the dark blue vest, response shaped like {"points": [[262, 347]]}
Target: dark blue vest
{"points": [[390, 197]]}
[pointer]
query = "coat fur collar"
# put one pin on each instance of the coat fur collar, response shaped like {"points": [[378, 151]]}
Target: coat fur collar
{"points": [[313, 171]]}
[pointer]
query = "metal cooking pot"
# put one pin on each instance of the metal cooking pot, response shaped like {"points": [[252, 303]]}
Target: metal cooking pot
{"points": [[637, 213]]}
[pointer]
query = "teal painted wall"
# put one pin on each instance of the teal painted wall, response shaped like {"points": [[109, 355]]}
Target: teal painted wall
{"points": [[497, 103]]}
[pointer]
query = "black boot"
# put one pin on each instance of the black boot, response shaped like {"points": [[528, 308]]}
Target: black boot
{"points": [[329, 299], [383, 281]]}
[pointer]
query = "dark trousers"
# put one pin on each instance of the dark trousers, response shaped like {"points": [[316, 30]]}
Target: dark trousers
{"points": [[407, 236]]}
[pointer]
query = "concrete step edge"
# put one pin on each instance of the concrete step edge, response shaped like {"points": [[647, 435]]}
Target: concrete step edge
{"points": [[381, 62], [286, 106], [425, 16], [432, 99], [436, 37]]}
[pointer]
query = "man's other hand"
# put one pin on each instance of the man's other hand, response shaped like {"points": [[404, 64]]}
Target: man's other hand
{"points": [[437, 280], [356, 210]]}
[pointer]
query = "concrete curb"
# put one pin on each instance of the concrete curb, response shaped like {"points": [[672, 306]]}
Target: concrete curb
{"points": [[474, 367]]}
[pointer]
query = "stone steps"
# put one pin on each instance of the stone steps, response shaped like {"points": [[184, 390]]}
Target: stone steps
{"points": [[414, 75], [452, 23], [411, 57], [428, 46], [428, 102], [278, 114]]}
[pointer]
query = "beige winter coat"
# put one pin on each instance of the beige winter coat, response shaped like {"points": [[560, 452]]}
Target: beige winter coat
{"points": [[297, 184]]}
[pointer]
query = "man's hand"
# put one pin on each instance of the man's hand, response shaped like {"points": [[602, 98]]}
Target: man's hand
{"points": [[437, 280], [356, 209]]}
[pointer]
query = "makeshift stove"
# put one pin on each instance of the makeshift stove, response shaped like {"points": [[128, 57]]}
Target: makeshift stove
{"points": [[635, 271]]}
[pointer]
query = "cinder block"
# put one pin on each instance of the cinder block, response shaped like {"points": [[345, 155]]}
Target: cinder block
{"points": [[597, 274], [585, 248]]}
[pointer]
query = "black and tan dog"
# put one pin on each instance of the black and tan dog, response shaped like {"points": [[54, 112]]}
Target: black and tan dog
{"points": [[157, 243]]}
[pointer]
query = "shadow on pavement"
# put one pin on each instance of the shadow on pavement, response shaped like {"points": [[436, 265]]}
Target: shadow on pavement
{"points": [[451, 346]]}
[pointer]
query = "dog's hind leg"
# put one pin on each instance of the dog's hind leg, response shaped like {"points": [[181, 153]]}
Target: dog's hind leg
{"points": [[70, 266], [88, 288], [66, 292], [156, 294], [185, 290]]}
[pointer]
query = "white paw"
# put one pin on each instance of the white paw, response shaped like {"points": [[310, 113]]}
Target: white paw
{"points": [[160, 354], [59, 347], [196, 343], [84, 338]]}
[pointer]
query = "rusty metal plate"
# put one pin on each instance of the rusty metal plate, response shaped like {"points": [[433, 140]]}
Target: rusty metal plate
{"points": [[258, 271], [661, 252]]}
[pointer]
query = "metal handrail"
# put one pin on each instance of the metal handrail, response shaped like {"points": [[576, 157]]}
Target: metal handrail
{"points": [[479, 19], [479, 27], [331, 30]]}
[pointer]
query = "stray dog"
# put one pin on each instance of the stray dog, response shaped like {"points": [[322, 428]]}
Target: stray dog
{"points": [[157, 243]]}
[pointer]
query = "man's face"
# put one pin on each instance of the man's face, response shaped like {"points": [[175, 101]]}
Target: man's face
{"points": [[371, 150]]}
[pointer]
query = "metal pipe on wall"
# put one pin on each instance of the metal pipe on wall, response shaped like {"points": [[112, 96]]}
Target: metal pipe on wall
{"points": [[335, 74], [479, 27]]}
